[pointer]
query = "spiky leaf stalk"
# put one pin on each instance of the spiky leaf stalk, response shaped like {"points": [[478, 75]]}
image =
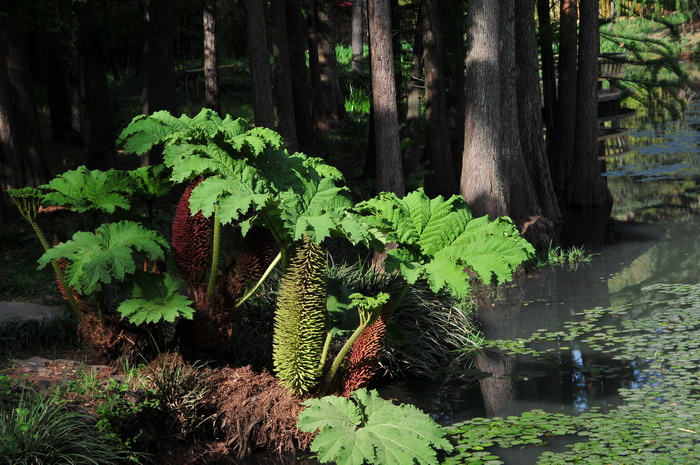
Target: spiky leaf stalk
{"points": [[300, 320], [28, 200], [215, 250]]}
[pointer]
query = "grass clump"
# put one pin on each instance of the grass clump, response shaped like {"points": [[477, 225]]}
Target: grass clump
{"points": [[42, 429]]}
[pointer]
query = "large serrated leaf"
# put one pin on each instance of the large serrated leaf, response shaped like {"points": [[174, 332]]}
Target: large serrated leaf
{"points": [[155, 298], [367, 429], [146, 131], [105, 256], [234, 198], [438, 239], [83, 190]]}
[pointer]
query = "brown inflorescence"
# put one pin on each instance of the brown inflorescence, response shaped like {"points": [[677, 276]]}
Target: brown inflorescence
{"points": [[363, 361], [191, 239]]}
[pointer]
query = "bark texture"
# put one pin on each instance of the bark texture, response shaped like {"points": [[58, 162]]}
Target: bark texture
{"points": [[211, 66], [562, 153], [443, 178], [529, 110], [549, 78], [100, 134], [329, 110], [585, 187], [389, 175], [260, 71], [158, 67], [358, 34], [298, 39], [21, 137], [493, 180], [283, 83]]}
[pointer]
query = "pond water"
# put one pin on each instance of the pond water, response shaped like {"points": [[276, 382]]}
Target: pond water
{"points": [[653, 238]]}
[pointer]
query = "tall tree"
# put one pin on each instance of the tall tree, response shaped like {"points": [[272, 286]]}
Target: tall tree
{"points": [[55, 64], [285, 96], [529, 101], [562, 151], [492, 179], [549, 83], [211, 65], [585, 187], [157, 66], [358, 33], [23, 138], [260, 72], [298, 39], [413, 154], [329, 111], [389, 174], [100, 135], [11, 173], [443, 178], [453, 20]]}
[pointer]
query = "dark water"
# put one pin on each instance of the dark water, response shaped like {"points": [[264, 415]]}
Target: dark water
{"points": [[653, 239]]}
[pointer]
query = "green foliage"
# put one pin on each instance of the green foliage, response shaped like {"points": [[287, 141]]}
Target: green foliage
{"points": [[439, 238], [368, 429], [43, 430], [84, 190], [106, 255], [249, 178], [300, 319], [155, 298], [150, 182], [27, 200]]}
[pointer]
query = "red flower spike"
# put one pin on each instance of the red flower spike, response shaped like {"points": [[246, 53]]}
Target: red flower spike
{"points": [[191, 239]]}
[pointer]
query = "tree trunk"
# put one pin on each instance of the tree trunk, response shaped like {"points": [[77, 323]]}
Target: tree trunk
{"points": [[55, 66], [530, 114], [443, 177], [389, 176], [260, 72], [298, 39], [212, 99], [585, 187], [398, 72], [453, 20], [25, 127], [549, 78], [492, 179], [158, 67], [358, 34], [562, 153], [285, 96], [331, 110], [314, 61], [11, 175], [412, 157], [101, 149]]}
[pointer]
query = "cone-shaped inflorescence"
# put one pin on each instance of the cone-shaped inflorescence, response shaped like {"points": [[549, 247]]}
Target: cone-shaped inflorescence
{"points": [[363, 361], [191, 239], [300, 320], [258, 251]]}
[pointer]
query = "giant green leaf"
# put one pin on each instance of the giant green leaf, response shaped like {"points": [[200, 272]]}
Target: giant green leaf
{"points": [[367, 429], [155, 298], [438, 239], [82, 190], [107, 255]]}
